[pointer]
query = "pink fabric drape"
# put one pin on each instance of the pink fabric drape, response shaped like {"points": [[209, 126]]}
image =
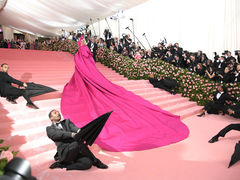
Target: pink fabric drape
{"points": [[135, 123]]}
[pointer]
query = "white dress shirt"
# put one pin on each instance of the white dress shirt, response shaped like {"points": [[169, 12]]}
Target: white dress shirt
{"points": [[219, 95]]}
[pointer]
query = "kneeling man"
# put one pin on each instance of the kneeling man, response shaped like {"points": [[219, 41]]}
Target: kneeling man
{"points": [[71, 154]]}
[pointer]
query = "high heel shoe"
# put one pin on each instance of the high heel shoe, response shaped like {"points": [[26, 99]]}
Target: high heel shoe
{"points": [[200, 115]]}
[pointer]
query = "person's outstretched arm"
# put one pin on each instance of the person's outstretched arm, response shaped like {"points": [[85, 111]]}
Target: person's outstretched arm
{"points": [[10, 79]]}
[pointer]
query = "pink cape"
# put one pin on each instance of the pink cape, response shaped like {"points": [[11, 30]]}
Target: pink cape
{"points": [[135, 123]]}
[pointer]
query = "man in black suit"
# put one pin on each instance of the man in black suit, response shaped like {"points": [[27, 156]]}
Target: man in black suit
{"points": [[218, 102], [92, 45], [230, 57], [71, 154], [117, 48], [220, 64], [108, 36], [176, 61], [163, 83], [10, 92], [177, 50]]}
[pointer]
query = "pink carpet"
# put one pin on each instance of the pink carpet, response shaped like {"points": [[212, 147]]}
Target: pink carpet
{"points": [[193, 158]]}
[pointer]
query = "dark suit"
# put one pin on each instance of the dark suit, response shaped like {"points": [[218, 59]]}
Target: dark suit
{"points": [[219, 66], [7, 90], [118, 49], [218, 104], [167, 84], [93, 48], [74, 154], [108, 36]]}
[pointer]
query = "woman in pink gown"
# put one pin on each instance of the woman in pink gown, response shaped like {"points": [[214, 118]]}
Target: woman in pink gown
{"points": [[135, 123]]}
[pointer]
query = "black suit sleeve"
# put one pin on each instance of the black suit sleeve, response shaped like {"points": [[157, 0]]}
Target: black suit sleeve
{"points": [[223, 98], [10, 79], [215, 96], [230, 98], [57, 134], [72, 126], [153, 80]]}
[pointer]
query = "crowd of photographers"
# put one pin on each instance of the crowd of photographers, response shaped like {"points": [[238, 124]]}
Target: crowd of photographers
{"points": [[224, 68]]}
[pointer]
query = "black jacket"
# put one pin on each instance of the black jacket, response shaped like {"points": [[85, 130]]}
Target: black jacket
{"points": [[223, 98], [236, 109], [118, 49], [5, 83], [62, 137]]}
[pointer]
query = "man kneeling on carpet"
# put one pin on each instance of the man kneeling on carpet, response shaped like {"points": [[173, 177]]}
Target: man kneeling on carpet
{"points": [[10, 92], [72, 152]]}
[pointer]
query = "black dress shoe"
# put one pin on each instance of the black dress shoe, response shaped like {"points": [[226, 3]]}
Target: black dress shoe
{"points": [[173, 92], [200, 115], [213, 140], [31, 105], [57, 165], [100, 165]]}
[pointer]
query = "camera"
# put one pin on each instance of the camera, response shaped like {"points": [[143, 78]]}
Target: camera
{"points": [[17, 169], [216, 56], [225, 52], [237, 52]]}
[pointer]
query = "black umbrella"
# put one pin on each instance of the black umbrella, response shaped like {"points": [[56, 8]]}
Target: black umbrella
{"points": [[236, 155], [33, 89], [90, 132]]}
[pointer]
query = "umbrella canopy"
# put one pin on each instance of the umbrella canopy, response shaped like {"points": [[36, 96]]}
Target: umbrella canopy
{"points": [[90, 132], [37, 89]]}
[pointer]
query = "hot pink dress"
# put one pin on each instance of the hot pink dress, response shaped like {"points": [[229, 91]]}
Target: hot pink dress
{"points": [[135, 123]]}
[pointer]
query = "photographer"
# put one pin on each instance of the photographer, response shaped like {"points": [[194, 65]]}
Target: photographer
{"points": [[199, 56], [117, 48], [108, 35], [125, 52], [220, 65], [194, 62], [177, 50], [200, 69], [237, 74], [170, 48], [229, 56], [168, 57], [92, 45], [149, 54], [156, 52], [226, 76], [210, 74], [185, 56], [237, 53], [176, 61]]}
